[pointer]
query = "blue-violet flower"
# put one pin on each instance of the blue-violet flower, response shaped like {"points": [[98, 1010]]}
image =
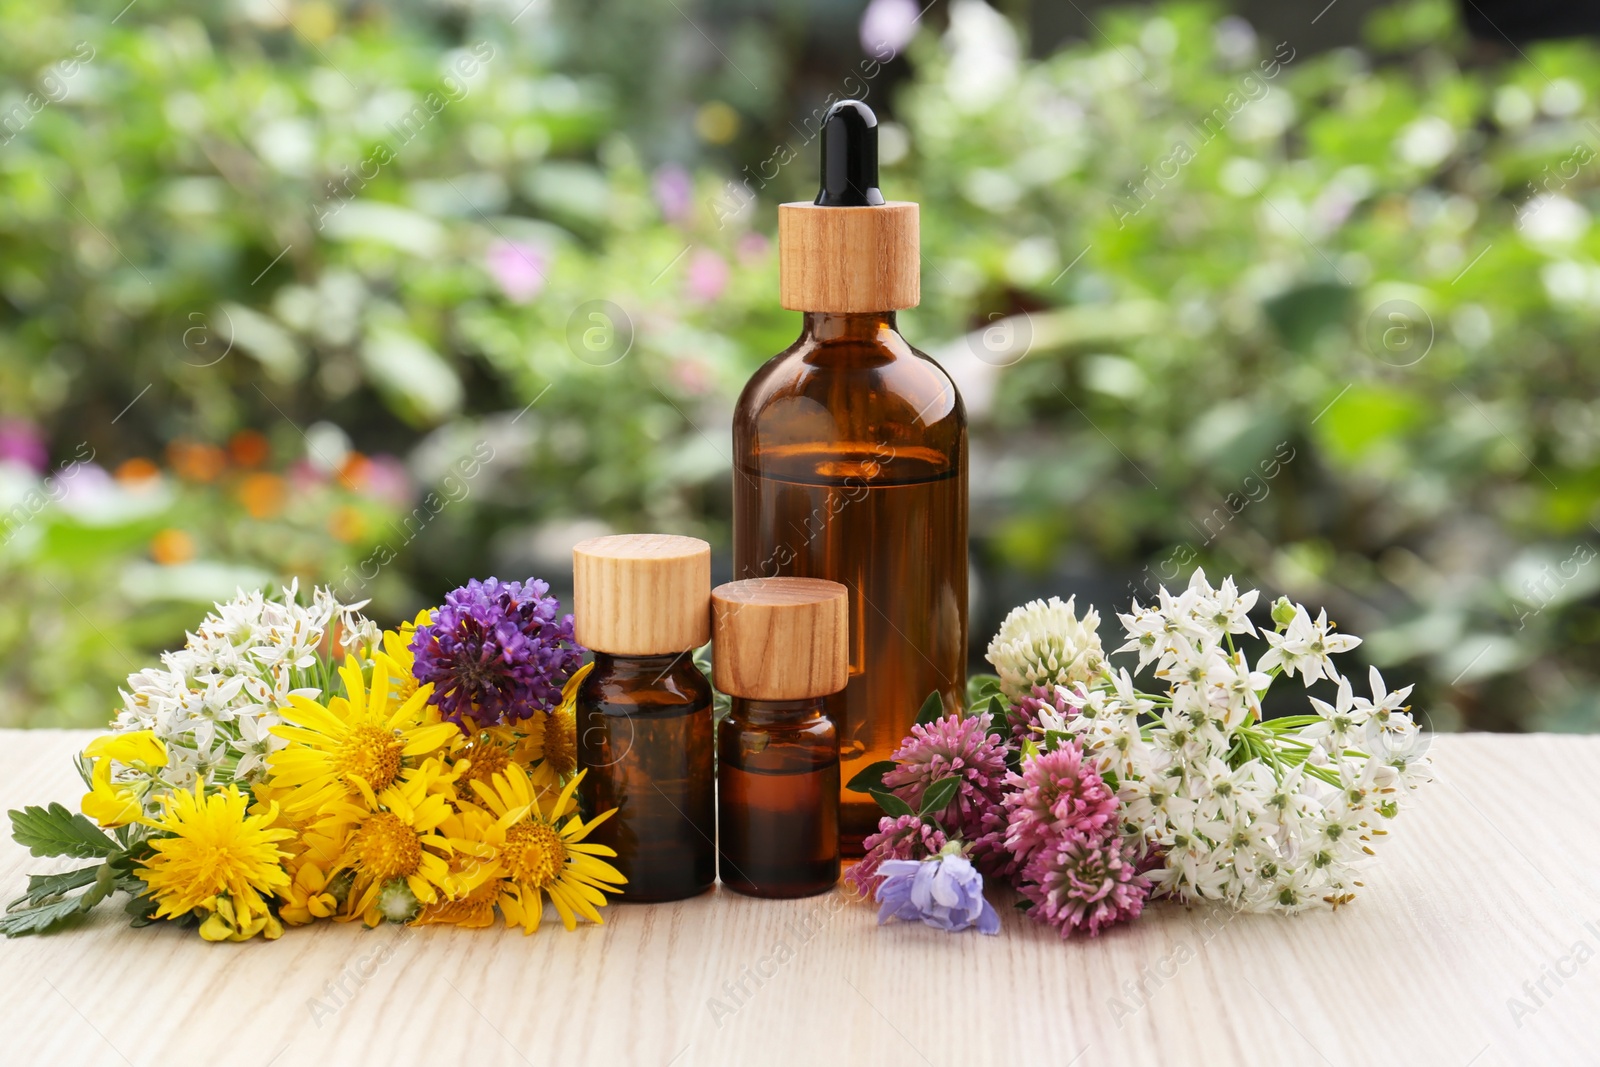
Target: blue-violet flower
{"points": [[945, 891]]}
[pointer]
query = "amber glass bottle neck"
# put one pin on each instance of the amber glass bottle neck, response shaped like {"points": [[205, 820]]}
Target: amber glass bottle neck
{"points": [[846, 325], [619, 666], [772, 712]]}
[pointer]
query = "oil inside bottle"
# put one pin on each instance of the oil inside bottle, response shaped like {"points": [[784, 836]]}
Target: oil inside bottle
{"points": [[644, 723], [778, 803], [888, 520]]}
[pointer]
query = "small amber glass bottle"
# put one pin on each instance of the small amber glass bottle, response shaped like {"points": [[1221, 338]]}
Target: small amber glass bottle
{"points": [[850, 458], [780, 646], [641, 603]]}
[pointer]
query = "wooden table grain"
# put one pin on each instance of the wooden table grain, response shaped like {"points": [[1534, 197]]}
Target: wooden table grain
{"points": [[1477, 942]]}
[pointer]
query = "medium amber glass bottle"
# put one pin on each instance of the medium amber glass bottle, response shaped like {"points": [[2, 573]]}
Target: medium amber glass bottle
{"points": [[642, 604], [780, 647], [850, 458]]}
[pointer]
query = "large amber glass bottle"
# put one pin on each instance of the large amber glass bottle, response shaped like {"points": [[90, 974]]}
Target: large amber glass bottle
{"points": [[850, 459]]}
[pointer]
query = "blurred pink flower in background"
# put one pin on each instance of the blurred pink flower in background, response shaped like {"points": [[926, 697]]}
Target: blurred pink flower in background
{"points": [[708, 275], [692, 376], [517, 268], [888, 26], [752, 248], [674, 191], [385, 478], [23, 444], [303, 475], [91, 483]]}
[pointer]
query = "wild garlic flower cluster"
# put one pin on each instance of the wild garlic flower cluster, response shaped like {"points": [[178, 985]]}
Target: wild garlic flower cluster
{"points": [[214, 701], [1261, 815]]}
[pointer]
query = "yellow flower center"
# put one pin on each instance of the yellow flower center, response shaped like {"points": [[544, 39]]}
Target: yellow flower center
{"points": [[386, 847], [561, 741], [371, 752], [404, 688], [534, 854], [488, 760]]}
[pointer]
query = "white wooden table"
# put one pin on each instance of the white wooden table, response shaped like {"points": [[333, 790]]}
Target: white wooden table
{"points": [[1488, 883]]}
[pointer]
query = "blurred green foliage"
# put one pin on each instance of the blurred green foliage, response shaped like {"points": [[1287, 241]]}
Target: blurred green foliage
{"points": [[1321, 319]]}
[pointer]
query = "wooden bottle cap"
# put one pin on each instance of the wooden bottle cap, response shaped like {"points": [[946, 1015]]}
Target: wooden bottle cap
{"points": [[849, 258], [641, 594], [781, 638]]}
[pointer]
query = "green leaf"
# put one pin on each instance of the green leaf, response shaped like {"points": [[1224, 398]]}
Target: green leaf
{"points": [[932, 709], [980, 687], [57, 913], [58, 832], [939, 794], [42, 887], [141, 909], [870, 777], [891, 803], [996, 710], [44, 917]]}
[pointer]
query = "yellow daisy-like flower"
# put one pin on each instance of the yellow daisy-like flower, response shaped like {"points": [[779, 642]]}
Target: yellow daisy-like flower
{"points": [[474, 891], [532, 855], [394, 836], [354, 744], [560, 740], [220, 859], [397, 658]]}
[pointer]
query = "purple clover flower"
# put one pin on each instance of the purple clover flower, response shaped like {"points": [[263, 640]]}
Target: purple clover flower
{"points": [[962, 747], [1084, 882], [945, 891], [496, 652]]}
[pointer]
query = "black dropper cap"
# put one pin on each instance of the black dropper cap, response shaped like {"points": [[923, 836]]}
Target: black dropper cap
{"points": [[849, 157]]}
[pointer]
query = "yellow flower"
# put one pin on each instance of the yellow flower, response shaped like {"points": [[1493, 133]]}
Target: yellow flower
{"points": [[220, 860], [118, 803], [530, 855], [226, 923], [134, 746], [397, 658], [394, 836], [560, 749], [353, 744], [310, 893], [475, 888], [107, 803]]}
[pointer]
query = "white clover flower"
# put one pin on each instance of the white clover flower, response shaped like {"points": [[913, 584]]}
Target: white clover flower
{"points": [[1044, 643]]}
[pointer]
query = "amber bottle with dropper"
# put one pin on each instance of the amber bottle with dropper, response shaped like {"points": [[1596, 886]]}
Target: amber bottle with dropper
{"points": [[850, 457], [780, 648], [641, 602]]}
